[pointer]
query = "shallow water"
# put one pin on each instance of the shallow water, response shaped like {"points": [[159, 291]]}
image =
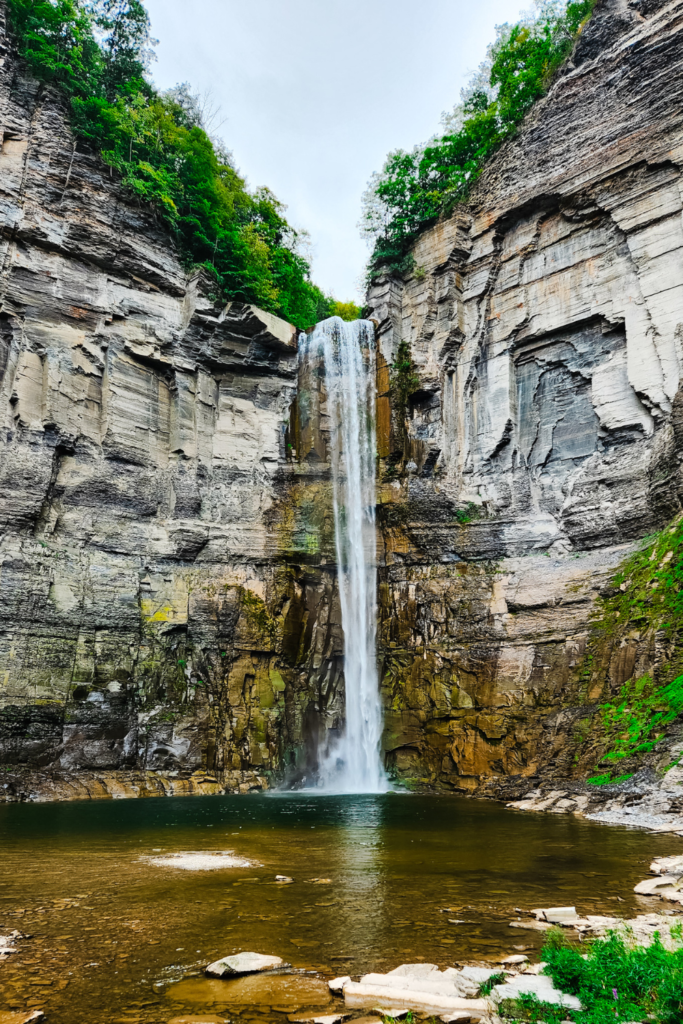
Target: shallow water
{"points": [[131, 937]]}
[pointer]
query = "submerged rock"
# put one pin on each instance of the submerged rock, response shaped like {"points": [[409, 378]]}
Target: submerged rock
{"points": [[244, 963]]}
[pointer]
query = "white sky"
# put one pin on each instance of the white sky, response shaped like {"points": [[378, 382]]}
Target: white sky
{"points": [[315, 93]]}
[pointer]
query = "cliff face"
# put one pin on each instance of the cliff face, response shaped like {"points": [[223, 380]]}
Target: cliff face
{"points": [[545, 323], [158, 611], [169, 617]]}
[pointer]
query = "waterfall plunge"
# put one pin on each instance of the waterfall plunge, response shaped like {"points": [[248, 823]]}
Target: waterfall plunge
{"points": [[353, 764]]}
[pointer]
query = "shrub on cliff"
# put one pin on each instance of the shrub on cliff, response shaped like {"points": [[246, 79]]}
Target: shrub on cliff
{"points": [[414, 189], [98, 54]]}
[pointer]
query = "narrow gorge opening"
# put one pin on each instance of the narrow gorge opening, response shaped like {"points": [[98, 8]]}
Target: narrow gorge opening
{"points": [[351, 763]]}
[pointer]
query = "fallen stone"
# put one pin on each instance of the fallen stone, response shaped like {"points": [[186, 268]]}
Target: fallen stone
{"points": [[336, 985], [565, 916], [650, 885], [541, 986], [243, 963], [516, 958]]}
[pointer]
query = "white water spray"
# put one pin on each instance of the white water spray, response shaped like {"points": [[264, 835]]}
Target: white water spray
{"points": [[353, 765]]}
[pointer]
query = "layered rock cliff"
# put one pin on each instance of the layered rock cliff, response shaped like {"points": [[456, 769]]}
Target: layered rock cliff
{"points": [[169, 613], [161, 608], [545, 325]]}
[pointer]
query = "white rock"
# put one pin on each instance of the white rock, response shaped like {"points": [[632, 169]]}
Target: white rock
{"points": [[359, 995], [478, 974], [517, 958], [413, 971], [540, 986], [336, 985], [243, 963], [458, 1017], [283, 879]]}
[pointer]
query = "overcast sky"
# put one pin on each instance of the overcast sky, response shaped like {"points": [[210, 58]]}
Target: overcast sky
{"points": [[314, 94]]}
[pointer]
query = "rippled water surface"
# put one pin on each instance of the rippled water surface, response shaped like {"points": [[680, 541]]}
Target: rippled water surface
{"points": [[119, 938]]}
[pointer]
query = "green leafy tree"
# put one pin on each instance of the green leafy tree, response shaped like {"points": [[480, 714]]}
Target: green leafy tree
{"points": [[98, 54], [415, 189]]}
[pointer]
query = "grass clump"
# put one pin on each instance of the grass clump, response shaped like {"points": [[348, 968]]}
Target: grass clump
{"points": [[615, 980], [415, 189], [97, 53]]}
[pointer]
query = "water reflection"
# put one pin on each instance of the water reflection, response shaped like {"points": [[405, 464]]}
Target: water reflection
{"points": [[118, 927]]}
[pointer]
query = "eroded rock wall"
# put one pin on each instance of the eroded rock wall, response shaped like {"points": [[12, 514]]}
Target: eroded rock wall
{"points": [[545, 323], [163, 607]]}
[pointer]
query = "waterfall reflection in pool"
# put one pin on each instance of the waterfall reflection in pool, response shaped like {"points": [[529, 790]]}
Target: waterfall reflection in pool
{"points": [[131, 937]]}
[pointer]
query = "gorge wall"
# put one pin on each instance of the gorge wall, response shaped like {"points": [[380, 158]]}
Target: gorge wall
{"points": [[164, 605], [542, 434], [169, 616]]}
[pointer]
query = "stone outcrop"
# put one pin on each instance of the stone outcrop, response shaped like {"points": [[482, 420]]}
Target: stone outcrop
{"points": [[160, 607], [545, 325]]}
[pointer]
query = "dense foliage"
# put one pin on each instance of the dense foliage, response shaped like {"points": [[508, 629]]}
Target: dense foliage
{"points": [[416, 188], [98, 53], [615, 980]]}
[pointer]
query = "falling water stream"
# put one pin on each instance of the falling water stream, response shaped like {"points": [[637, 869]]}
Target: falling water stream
{"points": [[353, 764]]}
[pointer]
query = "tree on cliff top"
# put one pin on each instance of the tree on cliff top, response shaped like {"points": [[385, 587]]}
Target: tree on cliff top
{"points": [[415, 189], [98, 53]]}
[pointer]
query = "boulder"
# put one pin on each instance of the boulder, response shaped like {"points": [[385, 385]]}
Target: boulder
{"points": [[244, 963]]}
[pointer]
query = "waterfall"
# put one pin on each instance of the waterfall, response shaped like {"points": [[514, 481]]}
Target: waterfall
{"points": [[347, 353]]}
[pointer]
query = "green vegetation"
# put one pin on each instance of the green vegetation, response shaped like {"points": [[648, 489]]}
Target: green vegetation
{"points": [[647, 596], [615, 980], [97, 52], [415, 189], [346, 310], [636, 723]]}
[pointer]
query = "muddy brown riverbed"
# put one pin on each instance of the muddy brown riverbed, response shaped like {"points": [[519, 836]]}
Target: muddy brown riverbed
{"points": [[118, 937]]}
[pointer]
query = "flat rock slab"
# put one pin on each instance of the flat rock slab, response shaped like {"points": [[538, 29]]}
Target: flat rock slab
{"points": [[359, 995], [243, 963], [540, 986]]}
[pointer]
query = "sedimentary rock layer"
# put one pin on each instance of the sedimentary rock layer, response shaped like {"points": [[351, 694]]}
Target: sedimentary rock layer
{"points": [[545, 324], [160, 605]]}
